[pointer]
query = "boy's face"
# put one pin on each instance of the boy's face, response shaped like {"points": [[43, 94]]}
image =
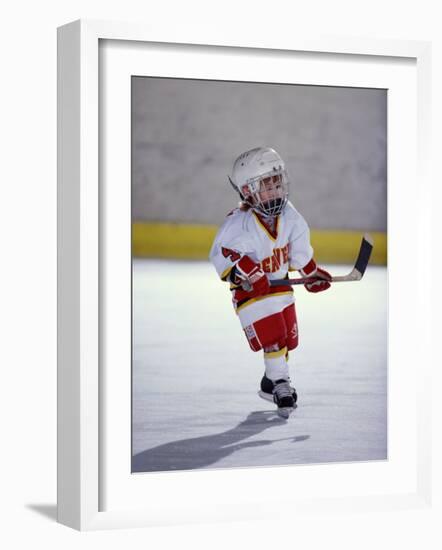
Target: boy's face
{"points": [[271, 188], [267, 194]]}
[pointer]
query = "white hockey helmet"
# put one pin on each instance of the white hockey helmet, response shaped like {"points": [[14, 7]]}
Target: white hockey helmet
{"points": [[260, 178]]}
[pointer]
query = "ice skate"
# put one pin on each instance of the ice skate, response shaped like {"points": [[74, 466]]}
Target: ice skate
{"points": [[283, 398], [266, 391]]}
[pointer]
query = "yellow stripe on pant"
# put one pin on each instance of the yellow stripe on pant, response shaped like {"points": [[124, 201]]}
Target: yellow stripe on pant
{"points": [[275, 354]]}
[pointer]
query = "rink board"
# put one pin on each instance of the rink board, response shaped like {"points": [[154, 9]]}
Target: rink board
{"points": [[193, 241]]}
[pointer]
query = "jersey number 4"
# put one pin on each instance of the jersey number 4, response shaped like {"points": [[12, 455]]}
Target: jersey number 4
{"points": [[228, 253]]}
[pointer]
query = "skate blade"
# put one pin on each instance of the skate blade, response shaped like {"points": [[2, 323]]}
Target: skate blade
{"points": [[266, 396], [284, 412]]}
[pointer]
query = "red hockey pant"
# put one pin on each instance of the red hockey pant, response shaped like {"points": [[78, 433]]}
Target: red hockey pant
{"points": [[279, 329]]}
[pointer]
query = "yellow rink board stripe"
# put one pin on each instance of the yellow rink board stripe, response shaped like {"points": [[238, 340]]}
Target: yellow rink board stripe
{"points": [[167, 240], [341, 247], [193, 241]]}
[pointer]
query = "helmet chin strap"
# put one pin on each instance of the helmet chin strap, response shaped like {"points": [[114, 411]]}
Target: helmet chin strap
{"points": [[265, 214]]}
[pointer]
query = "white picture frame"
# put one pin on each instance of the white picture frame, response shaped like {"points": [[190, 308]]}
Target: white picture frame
{"points": [[80, 276]]}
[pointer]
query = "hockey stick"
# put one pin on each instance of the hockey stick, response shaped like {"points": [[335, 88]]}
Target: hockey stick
{"points": [[355, 274]]}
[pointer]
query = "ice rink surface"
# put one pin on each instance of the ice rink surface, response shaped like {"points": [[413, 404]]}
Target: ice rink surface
{"points": [[195, 380]]}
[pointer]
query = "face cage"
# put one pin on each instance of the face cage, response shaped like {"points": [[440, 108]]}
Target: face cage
{"points": [[271, 207]]}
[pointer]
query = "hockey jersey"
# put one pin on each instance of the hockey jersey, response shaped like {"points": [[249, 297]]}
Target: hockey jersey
{"points": [[285, 248]]}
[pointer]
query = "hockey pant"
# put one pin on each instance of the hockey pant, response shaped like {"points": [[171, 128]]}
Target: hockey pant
{"points": [[275, 333]]}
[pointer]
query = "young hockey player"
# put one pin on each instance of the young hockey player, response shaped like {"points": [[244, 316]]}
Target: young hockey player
{"points": [[261, 240]]}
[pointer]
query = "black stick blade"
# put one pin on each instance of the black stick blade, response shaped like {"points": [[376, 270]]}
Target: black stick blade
{"points": [[364, 254]]}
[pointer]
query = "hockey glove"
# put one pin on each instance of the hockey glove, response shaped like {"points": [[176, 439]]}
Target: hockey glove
{"points": [[312, 270], [249, 272]]}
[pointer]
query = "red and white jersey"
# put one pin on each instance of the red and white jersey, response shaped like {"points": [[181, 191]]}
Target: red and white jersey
{"points": [[246, 233]]}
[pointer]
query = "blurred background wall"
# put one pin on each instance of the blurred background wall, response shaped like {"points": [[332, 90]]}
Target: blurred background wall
{"points": [[187, 133]]}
